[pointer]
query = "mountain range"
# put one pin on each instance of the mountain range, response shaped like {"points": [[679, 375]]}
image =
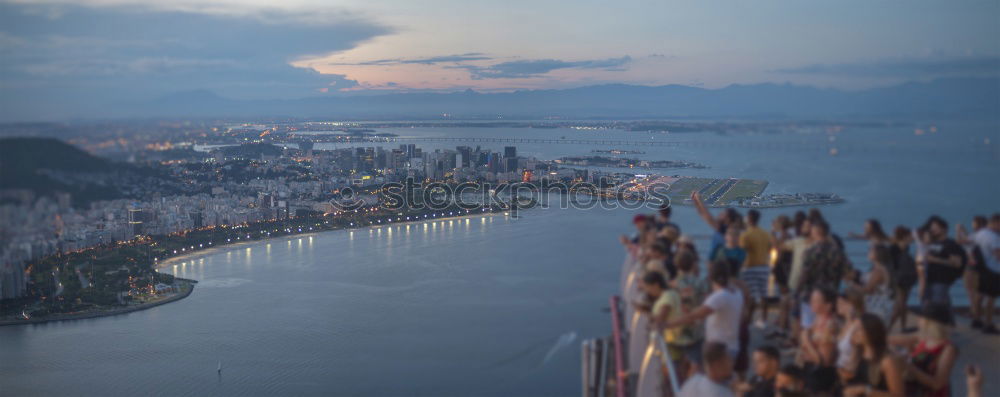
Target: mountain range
{"points": [[977, 98]]}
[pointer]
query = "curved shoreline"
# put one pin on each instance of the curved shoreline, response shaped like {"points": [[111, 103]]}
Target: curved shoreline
{"points": [[210, 250], [191, 283], [114, 312]]}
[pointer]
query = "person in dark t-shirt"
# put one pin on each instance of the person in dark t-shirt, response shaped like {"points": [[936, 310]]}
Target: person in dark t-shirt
{"points": [[943, 264]]}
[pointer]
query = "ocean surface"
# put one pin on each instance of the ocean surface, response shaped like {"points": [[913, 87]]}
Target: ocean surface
{"points": [[483, 305]]}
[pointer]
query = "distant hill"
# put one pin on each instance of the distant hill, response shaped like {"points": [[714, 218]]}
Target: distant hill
{"points": [[31, 163], [46, 166], [965, 98]]}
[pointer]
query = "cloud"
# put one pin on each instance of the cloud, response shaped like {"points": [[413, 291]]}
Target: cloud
{"points": [[537, 67], [69, 54], [456, 58], [905, 68]]}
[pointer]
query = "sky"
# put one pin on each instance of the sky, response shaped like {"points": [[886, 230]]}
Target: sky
{"points": [[88, 52]]}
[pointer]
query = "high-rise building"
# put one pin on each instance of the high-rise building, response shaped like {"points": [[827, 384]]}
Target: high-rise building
{"points": [[465, 156], [510, 152], [510, 164]]}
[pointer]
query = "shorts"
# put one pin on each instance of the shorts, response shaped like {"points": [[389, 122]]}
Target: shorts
{"points": [[734, 268], [936, 293], [989, 282], [755, 278], [691, 352], [781, 274]]}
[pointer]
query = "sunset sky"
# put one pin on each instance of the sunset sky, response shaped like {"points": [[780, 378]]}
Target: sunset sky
{"points": [[298, 48]]}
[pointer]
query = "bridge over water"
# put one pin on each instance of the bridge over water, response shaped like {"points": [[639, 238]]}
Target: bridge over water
{"points": [[596, 142], [825, 147]]}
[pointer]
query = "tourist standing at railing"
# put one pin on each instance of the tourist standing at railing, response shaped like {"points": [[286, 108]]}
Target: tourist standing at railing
{"points": [[721, 311], [662, 304], [781, 233], [643, 228], [988, 242], [692, 290], [984, 245], [799, 245], [818, 343], [823, 267], [878, 373], [715, 380], [970, 278], [903, 274], [874, 234], [685, 244], [731, 253], [727, 219], [875, 283], [663, 218], [755, 272], [815, 216], [658, 258], [944, 262]]}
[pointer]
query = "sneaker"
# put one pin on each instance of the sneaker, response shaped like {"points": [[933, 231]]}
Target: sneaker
{"points": [[775, 334], [991, 330], [760, 324], [976, 324]]}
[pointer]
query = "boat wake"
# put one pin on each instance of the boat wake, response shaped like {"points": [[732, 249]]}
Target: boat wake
{"points": [[559, 344], [564, 340]]}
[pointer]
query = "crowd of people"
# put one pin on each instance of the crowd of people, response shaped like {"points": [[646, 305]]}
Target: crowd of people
{"points": [[838, 331]]}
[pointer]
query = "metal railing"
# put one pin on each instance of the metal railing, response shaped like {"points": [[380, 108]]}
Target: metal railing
{"points": [[621, 375], [661, 345]]}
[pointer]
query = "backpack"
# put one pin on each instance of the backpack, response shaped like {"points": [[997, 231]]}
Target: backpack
{"points": [[904, 270]]}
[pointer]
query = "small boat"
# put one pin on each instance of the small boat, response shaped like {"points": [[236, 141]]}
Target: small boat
{"points": [[220, 367]]}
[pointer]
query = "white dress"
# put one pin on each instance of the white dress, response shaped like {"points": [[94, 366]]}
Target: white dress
{"points": [[879, 302]]}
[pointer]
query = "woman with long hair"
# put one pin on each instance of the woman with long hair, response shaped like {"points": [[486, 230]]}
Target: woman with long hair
{"points": [[878, 373], [850, 307], [876, 283], [818, 343], [873, 233]]}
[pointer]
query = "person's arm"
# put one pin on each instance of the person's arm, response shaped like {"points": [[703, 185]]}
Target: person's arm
{"points": [[703, 211], [953, 260], [973, 381], [940, 377], [807, 349], [878, 275], [904, 341], [690, 318], [893, 372], [827, 350], [660, 317]]}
